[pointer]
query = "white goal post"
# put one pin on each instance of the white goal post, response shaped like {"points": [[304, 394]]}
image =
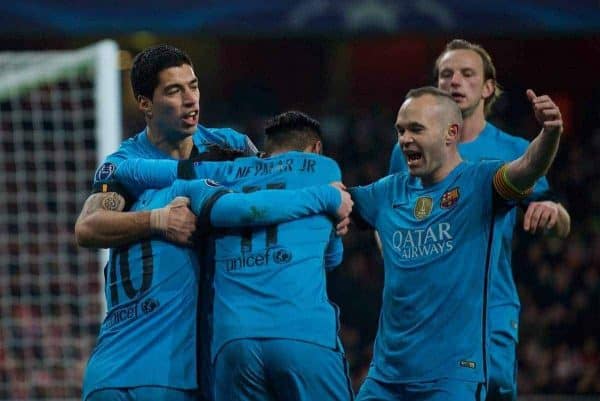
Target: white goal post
{"points": [[60, 114]]}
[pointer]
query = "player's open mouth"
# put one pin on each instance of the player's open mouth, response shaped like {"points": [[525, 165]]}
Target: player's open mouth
{"points": [[458, 96], [191, 118], [412, 157]]}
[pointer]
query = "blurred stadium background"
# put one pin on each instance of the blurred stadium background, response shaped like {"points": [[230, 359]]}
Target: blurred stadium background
{"points": [[349, 64]]}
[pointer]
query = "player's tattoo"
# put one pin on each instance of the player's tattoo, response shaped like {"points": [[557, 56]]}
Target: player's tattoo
{"points": [[113, 201]]}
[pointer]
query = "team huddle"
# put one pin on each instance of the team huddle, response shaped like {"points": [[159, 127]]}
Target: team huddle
{"points": [[216, 280]]}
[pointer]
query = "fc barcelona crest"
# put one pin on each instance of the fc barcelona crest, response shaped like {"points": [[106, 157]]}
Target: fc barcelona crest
{"points": [[450, 198], [423, 207]]}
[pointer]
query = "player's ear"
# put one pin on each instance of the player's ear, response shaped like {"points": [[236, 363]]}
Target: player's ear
{"points": [[452, 134], [317, 147], [145, 105], [489, 86]]}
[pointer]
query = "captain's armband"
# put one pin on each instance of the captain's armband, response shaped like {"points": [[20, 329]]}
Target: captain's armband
{"points": [[506, 189], [113, 194]]}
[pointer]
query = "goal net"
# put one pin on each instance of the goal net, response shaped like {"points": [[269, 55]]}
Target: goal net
{"points": [[59, 113]]}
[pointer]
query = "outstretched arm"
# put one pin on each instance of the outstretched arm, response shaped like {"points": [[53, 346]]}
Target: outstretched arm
{"points": [[138, 175], [231, 209], [521, 174]]}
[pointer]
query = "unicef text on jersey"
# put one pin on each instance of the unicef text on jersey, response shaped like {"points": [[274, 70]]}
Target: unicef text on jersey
{"points": [[279, 256]]}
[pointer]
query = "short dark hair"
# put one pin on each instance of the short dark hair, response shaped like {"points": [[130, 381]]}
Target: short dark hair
{"points": [[428, 90], [489, 69], [291, 130], [148, 64], [454, 113]]}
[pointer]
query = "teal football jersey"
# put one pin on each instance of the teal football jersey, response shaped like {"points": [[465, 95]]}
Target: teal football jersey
{"points": [[494, 144], [148, 337], [438, 243], [104, 368], [271, 282], [139, 147]]}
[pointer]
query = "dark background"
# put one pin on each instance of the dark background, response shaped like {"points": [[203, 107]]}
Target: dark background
{"points": [[353, 78]]}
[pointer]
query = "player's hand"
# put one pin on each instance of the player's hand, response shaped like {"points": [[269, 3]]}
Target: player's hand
{"points": [[546, 112], [342, 227], [175, 222], [339, 185], [540, 216], [345, 207]]}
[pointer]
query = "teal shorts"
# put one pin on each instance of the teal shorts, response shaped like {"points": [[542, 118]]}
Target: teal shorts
{"points": [[142, 394], [281, 369], [434, 390]]}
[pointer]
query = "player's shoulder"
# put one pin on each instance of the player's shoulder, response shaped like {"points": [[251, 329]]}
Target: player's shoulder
{"points": [[322, 159], [391, 181], [212, 133], [385, 189], [219, 129], [325, 164], [128, 149], [480, 168], [227, 137], [136, 146], [396, 153], [318, 161], [503, 138], [474, 165]]}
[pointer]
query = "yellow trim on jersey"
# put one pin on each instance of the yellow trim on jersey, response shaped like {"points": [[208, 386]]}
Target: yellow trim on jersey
{"points": [[506, 189]]}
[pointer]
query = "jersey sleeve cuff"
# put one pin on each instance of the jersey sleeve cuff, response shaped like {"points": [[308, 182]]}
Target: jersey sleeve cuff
{"points": [[113, 186]]}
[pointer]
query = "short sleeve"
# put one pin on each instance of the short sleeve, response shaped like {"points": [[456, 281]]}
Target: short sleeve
{"points": [[105, 179], [227, 137], [216, 171], [366, 198]]}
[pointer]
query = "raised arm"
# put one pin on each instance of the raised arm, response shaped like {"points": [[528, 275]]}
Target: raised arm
{"points": [[522, 173]]}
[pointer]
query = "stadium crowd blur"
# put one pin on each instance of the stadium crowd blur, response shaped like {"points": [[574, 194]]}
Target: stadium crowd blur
{"points": [[559, 281]]}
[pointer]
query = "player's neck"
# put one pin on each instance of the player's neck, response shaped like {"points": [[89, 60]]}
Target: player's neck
{"points": [[278, 151], [473, 125], [178, 147], [441, 173]]}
